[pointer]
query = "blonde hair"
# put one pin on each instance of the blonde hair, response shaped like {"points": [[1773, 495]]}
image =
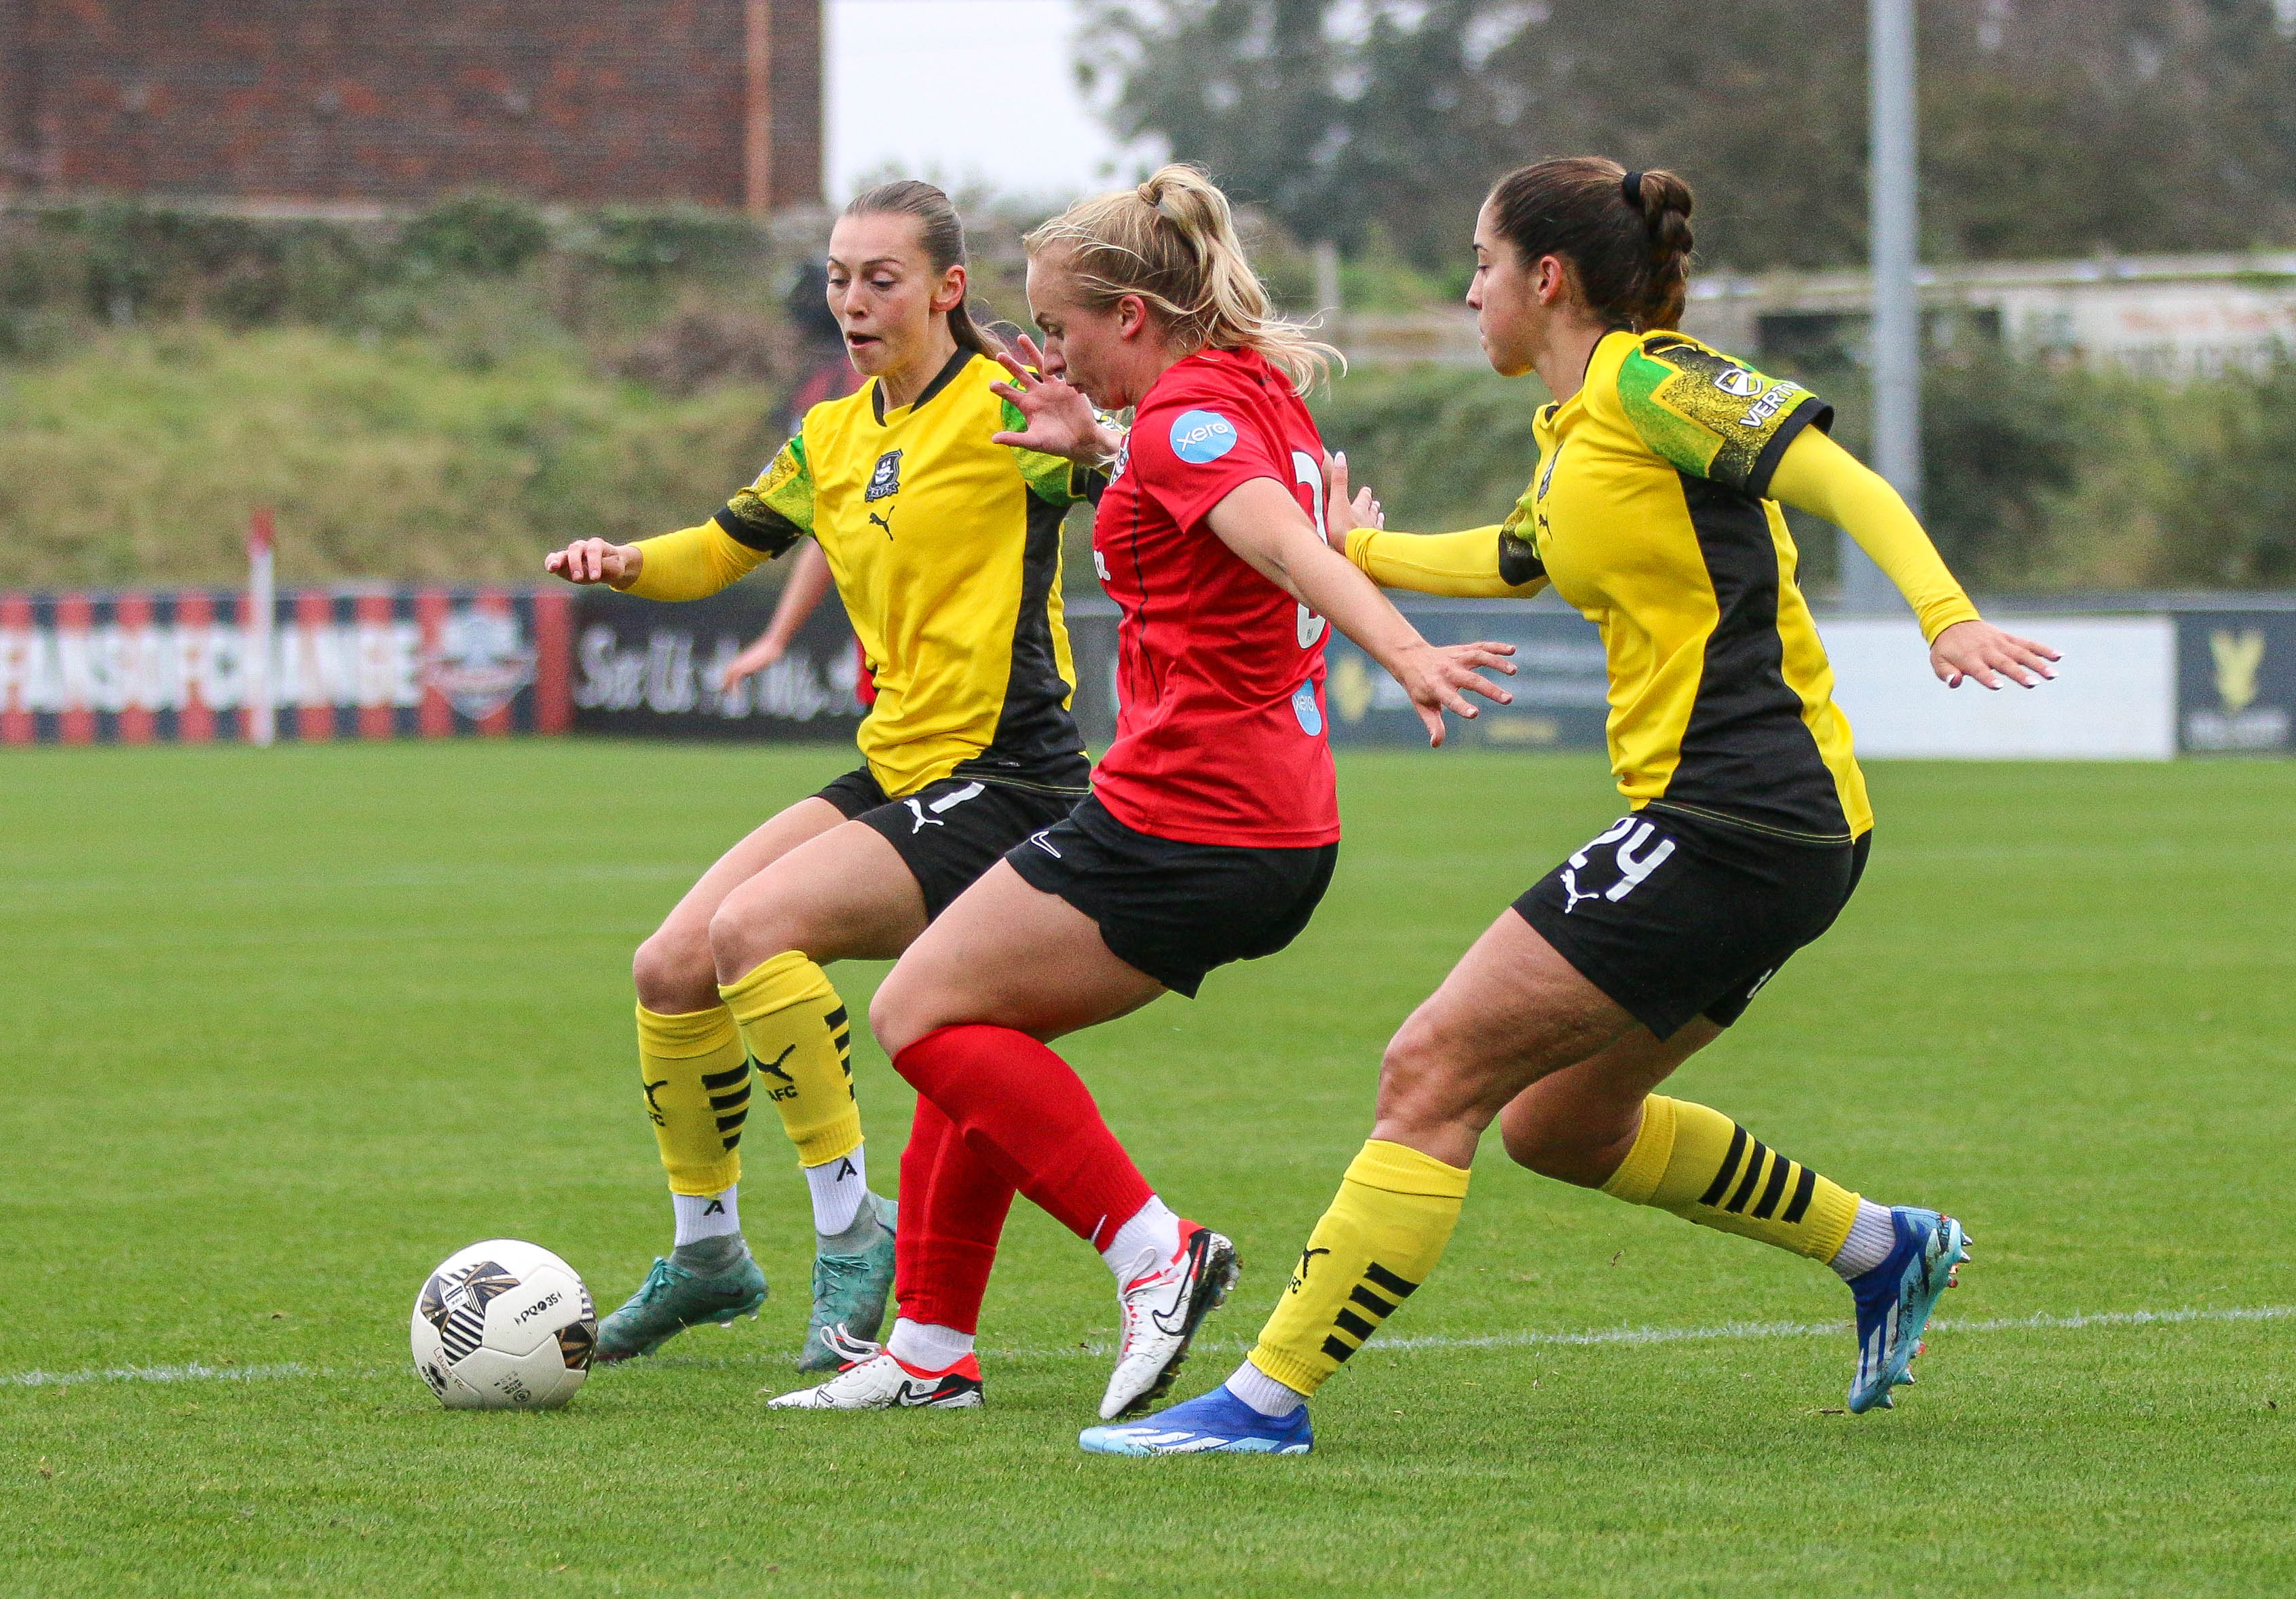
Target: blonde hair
{"points": [[1172, 241]]}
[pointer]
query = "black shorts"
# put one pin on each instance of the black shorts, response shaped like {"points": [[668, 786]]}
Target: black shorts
{"points": [[1675, 915], [1173, 910], [948, 832]]}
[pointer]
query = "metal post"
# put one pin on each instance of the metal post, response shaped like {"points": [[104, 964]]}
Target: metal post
{"points": [[1326, 256], [1896, 311]]}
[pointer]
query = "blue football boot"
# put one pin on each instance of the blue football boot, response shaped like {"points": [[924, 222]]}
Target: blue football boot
{"points": [[1896, 1297], [1213, 1423]]}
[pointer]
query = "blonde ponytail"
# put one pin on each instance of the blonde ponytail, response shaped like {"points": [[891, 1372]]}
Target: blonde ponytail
{"points": [[1172, 241]]}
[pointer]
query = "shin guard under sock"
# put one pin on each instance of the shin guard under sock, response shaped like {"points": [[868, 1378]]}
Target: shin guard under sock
{"points": [[799, 1039], [697, 1095], [1021, 1108], [953, 1210], [1382, 1235]]}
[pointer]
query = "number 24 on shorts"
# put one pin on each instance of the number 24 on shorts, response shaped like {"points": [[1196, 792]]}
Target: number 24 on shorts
{"points": [[1635, 862]]}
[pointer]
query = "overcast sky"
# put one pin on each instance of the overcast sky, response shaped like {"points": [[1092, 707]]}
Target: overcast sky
{"points": [[962, 90]]}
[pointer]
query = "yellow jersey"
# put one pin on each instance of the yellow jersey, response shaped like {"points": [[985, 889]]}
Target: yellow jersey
{"points": [[1647, 512], [947, 551]]}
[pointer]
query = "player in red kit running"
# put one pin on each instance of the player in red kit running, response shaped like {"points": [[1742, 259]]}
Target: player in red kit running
{"points": [[1214, 824]]}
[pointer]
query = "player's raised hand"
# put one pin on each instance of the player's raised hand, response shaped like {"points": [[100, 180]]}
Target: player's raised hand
{"points": [[595, 561], [1979, 652], [1058, 421], [1436, 675], [1341, 515]]}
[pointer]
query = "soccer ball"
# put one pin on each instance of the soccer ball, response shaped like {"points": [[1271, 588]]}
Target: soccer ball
{"points": [[503, 1325]]}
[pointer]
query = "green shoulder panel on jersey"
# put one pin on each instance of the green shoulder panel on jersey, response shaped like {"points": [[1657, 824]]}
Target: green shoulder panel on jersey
{"points": [[1049, 478], [1704, 414], [776, 511]]}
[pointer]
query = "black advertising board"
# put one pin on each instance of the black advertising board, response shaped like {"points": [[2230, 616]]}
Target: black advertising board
{"points": [[2235, 682], [648, 668], [643, 668]]}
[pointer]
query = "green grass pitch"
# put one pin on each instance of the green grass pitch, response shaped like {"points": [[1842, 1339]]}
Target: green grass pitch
{"points": [[283, 1029]]}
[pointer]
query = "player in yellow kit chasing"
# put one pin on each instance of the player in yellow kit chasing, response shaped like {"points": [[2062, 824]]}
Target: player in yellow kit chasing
{"points": [[1653, 509], [945, 547]]}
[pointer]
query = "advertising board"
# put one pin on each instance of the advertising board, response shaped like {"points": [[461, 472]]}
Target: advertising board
{"points": [[190, 666]]}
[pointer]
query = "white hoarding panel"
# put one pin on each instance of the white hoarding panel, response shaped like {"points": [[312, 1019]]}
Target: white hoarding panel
{"points": [[2114, 698]]}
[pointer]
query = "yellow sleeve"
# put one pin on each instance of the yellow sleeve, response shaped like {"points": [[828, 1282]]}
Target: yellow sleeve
{"points": [[1818, 476], [1464, 565], [692, 564]]}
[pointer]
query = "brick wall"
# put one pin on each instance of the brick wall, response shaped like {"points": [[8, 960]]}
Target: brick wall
{"points": [[717, 101]]}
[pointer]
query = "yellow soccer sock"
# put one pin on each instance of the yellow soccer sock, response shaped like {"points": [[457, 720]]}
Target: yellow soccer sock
{"points": [[1383, 1234], [697, 1091], [1705, 1167], [801, 1040]]}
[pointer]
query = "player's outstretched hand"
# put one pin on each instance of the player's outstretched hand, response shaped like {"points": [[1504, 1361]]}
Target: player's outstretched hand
{"points": [[1981, 652], [1341, 515], [761, 654], [1060, 420], [595, 561], [1435, 674]]}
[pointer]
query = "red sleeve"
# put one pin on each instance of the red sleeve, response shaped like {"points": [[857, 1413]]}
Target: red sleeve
{"points": [[1193, 449]]}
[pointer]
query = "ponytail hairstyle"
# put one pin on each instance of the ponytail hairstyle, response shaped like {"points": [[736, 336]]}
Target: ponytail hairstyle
{"points": [[1172, 241], [1626, 233], [942, 235]]}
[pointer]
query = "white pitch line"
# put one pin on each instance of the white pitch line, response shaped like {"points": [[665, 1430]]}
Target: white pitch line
{"points": [[1728, 1331], [192, 1373]]}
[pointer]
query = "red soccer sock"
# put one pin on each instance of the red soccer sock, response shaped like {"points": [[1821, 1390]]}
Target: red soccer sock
{"points": [[953, 1210], [1022, 1111]]}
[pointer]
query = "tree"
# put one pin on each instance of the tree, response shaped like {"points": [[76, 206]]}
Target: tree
{"points": [[2051, 127]]}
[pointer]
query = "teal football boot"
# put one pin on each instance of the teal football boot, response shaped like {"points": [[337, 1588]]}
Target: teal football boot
{"points": [[1896, 1297], [849, 1292], [674, 1298]]}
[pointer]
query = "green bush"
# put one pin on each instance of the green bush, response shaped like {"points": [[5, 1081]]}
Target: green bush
{"points": [[484, 236]]}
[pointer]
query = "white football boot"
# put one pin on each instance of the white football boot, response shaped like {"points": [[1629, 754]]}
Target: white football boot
{"points": [[1163, 1303], [874, 1379]]}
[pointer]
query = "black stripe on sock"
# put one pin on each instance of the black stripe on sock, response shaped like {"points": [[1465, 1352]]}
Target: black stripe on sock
{"points": [[844, 1041], [835, 1019], [1753, 1172], [726, 1124], [733, 1142], [1379, 1276], [1336, 1349], [714, 1081], [1801, 1202], [1371, 1302], [1772, 1189], [1347, 1321], [1729, 1165], [726, 1102]]}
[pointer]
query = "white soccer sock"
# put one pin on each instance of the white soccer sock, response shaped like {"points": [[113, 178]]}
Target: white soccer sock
{"points": [[1872, 1236], [1263, 1393], [838, 1188], [706, 1215], [1154, 1224], [926, 1346]]}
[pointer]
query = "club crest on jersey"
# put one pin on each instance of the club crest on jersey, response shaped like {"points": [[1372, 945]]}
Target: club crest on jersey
{"points": [[887, 478], [1201, 437]]}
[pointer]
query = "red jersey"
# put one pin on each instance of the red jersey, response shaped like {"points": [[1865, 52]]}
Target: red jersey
{"points": [[1219, 734]]}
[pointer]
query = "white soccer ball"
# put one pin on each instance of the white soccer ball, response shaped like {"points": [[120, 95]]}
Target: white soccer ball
{"points": [[503, 1325]]}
